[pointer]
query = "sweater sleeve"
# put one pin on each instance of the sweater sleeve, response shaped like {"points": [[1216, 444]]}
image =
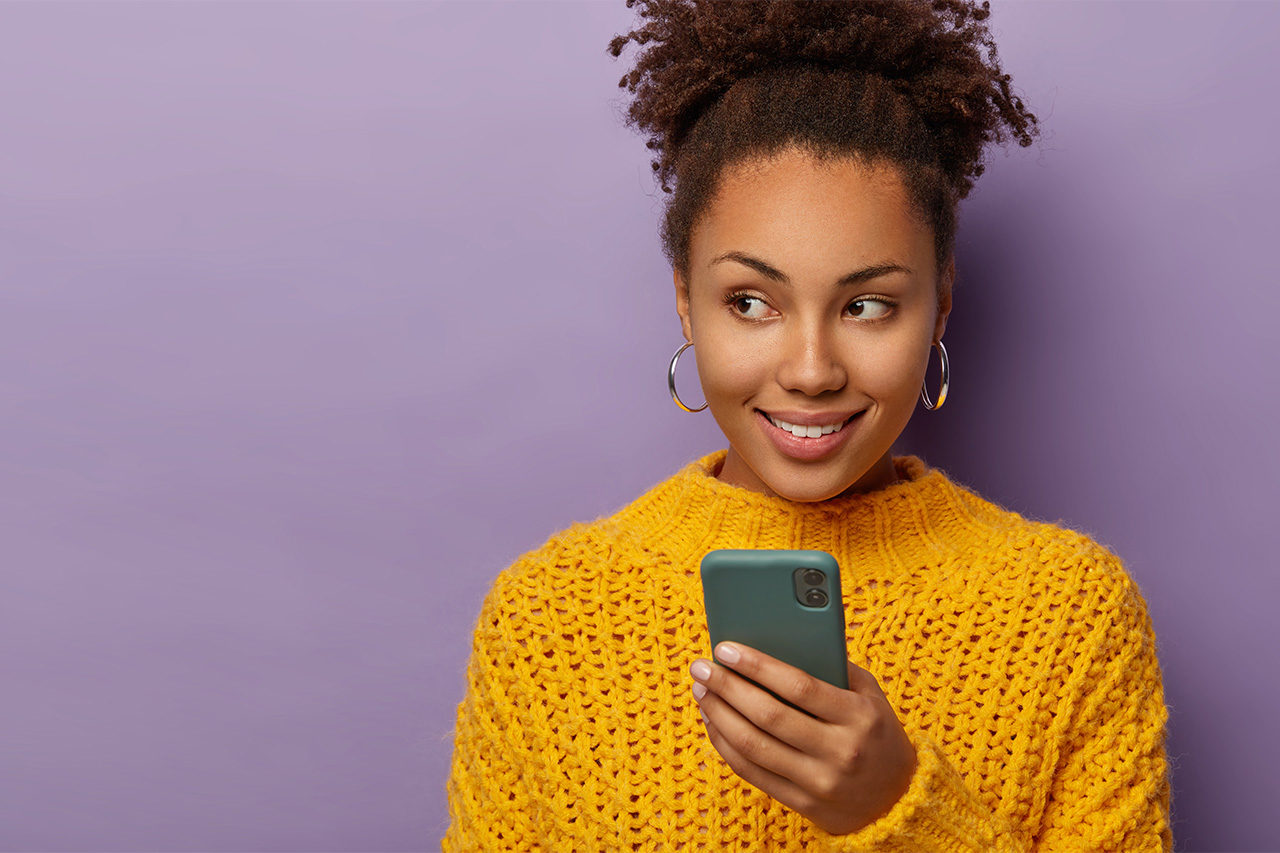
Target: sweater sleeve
{"points": [[1112, 787], [490, 804], [1110, 790], [938, 812]]}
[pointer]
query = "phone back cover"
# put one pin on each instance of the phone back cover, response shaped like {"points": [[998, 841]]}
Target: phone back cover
{"points": [[750, 597]]}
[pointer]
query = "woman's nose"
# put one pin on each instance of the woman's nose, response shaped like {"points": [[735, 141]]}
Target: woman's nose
{"points": [[810, 363]]}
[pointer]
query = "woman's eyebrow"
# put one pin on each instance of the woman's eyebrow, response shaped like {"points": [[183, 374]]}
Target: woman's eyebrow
{"points": [[772, 272]]}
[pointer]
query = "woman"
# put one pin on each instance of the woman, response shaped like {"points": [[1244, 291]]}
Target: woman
{"points": [[1005, 692]]}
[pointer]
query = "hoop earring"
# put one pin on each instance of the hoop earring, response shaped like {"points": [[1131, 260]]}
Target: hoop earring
{"points": [[671, 380], [946, 380]]}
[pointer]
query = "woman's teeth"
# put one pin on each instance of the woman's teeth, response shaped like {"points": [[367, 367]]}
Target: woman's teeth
{"points": [[805, 431]]}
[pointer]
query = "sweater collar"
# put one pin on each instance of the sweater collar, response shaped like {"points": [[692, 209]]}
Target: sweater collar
{"points": [[924, 513]]}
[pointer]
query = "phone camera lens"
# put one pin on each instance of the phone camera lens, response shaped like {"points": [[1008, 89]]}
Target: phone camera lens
{"points": [[813, 577], [815, 598]]}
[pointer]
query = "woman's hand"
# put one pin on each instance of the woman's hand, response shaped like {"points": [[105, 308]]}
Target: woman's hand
{"points": [[842, 767]]}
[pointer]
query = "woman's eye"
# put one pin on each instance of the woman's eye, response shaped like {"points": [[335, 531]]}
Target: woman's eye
{"points": [[754, 308], [859, 306], [744, 310]]}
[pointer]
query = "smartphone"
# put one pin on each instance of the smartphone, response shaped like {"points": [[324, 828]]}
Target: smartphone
{"points": [[786, 603]]}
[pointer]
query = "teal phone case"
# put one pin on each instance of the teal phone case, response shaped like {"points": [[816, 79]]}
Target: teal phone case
{"points": [[752, 596]]}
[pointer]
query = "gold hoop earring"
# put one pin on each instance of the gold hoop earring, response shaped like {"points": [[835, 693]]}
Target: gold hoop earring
{"points": [[671, 380], [946, 380]]}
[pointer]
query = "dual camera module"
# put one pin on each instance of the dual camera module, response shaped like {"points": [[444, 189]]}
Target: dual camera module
{"points": [[811, 587]]}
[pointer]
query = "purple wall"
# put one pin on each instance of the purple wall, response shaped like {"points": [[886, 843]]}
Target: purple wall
{"points": [[316, 315]]}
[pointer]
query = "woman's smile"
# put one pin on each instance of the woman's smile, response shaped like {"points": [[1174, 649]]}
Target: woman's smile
{"points": [[808, 425], [831, 434]]}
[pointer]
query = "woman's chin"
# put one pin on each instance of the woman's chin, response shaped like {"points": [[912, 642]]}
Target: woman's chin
{"points": [[809, 490], [769, 472]]}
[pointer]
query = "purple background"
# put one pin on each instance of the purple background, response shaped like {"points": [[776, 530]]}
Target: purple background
{"points": [[316, 315]]}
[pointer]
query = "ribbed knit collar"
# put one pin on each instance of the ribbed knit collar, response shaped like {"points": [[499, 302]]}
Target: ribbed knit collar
{"points": [[692, 512]]}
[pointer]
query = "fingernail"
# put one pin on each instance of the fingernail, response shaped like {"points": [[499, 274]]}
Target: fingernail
{"points": [[728, 653], [699, 691], [701, 670]]}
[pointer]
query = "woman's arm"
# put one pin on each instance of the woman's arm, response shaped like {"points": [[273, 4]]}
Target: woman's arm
{"points": [[491, 804], [1112, 787], [1110, 790]]}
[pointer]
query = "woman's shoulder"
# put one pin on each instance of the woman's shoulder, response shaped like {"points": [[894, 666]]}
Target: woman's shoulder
{"points": [[600, 547], [1055, 554], [573, 559], [1079, 564], [1037, 572], [547, 590]]}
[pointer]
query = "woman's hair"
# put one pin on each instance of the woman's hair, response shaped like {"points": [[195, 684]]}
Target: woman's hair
{"points": [[721, 82]]}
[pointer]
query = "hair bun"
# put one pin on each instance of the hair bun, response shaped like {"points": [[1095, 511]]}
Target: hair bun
{"points": [[930, 52]]}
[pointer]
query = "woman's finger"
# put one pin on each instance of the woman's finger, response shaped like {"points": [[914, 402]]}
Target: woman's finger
{"points": [[776, 785], [756, 744], [819, 698], [764, 711]]}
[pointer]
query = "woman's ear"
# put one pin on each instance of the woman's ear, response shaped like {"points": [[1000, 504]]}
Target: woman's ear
{"points": [[682, 305], [944, 297]]}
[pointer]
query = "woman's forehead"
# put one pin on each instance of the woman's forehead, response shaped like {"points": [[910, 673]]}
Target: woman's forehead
{"points": [[796, 206]]}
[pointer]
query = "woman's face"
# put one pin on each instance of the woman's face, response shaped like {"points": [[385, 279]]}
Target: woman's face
{"points": [[812, 300]]}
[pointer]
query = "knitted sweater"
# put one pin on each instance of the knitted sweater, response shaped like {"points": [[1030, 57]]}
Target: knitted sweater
{"points": [[1018, 655]]}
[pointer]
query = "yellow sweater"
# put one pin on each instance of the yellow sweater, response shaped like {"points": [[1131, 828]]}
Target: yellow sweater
{"points": [[1019, 656]]}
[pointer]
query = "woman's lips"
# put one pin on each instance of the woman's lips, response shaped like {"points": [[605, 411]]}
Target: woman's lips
{"points": [[825, 421], [795, 447]]}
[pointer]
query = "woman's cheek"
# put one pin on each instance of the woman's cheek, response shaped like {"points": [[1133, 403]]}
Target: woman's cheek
{"points": [[734, 373]]}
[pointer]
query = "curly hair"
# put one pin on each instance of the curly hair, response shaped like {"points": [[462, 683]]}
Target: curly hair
{"points": [[902, 82]]}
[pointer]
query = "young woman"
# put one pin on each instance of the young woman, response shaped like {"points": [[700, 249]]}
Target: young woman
{"points": [[1005, 692]]}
